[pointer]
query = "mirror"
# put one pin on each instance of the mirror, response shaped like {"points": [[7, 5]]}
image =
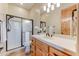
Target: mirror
{"points": [[69, 21], [0, 30]]}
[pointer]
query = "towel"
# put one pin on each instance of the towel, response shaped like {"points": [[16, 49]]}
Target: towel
{"points": [[27, 41]]}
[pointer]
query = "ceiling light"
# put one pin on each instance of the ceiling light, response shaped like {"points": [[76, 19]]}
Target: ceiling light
{"points": [[58, 4], [52, 7], [44, 8], [48, 10]]}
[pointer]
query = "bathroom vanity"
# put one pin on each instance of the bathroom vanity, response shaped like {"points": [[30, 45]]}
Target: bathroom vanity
{"points": [[55, 46]]}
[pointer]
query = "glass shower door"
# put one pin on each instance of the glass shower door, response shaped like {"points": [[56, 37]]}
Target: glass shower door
{"points": [[26, 28], [26, 33], [14, 33]]}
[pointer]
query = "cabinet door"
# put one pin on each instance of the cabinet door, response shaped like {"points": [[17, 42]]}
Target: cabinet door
{"points": [[51, 51], [42, 46], [38, 52], [32, 50]]}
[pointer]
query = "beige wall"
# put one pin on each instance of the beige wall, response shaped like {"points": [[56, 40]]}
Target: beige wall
{"points": [[55, 20], [3, 11], [35, 15]]}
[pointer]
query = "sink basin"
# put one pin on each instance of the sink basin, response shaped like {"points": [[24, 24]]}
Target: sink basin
{"points": [[59, 40]]}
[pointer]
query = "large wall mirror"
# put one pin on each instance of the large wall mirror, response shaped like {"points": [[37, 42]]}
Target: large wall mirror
{"points": [[0, 30], [69, 21]]}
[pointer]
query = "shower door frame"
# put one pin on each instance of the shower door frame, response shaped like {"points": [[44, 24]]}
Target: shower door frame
{"points": [[21, 30]]}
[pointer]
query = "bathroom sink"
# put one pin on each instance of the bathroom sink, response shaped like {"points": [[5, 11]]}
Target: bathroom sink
{"points": [[58, 40], [63, 40]]}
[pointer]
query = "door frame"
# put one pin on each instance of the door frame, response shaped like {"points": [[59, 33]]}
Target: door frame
{"points": [[11, 16]]}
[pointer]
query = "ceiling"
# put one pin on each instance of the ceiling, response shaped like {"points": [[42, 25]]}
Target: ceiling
{"points": [[39, 6], [24, 5], [28, 6]]}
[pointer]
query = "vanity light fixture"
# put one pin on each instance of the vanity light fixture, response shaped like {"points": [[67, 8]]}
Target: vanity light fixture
{"points": [[48, 10], [44, 8], [52, 7]]}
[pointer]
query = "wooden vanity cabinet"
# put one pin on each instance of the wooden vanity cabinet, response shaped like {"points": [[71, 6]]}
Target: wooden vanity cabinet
{"points": [[39, 48]]}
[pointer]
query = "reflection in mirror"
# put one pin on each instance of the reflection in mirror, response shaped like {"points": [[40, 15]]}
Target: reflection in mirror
{"points": [[74, 22], [69, 21]]}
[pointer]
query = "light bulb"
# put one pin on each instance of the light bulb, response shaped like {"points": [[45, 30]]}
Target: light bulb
{"points": [[21, 3], [58, 4], [49, 5], [48, 10], [44, 8], [52, 7]]}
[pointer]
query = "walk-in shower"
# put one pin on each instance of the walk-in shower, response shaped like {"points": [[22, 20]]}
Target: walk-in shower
{"points": [[17, 28]]}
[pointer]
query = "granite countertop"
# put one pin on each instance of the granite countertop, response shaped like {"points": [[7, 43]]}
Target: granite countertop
{"points": [[59, 42]]}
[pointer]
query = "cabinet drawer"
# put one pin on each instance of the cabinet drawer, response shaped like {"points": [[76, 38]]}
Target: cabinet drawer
{"points": [[56, 52], [42, 46]]}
